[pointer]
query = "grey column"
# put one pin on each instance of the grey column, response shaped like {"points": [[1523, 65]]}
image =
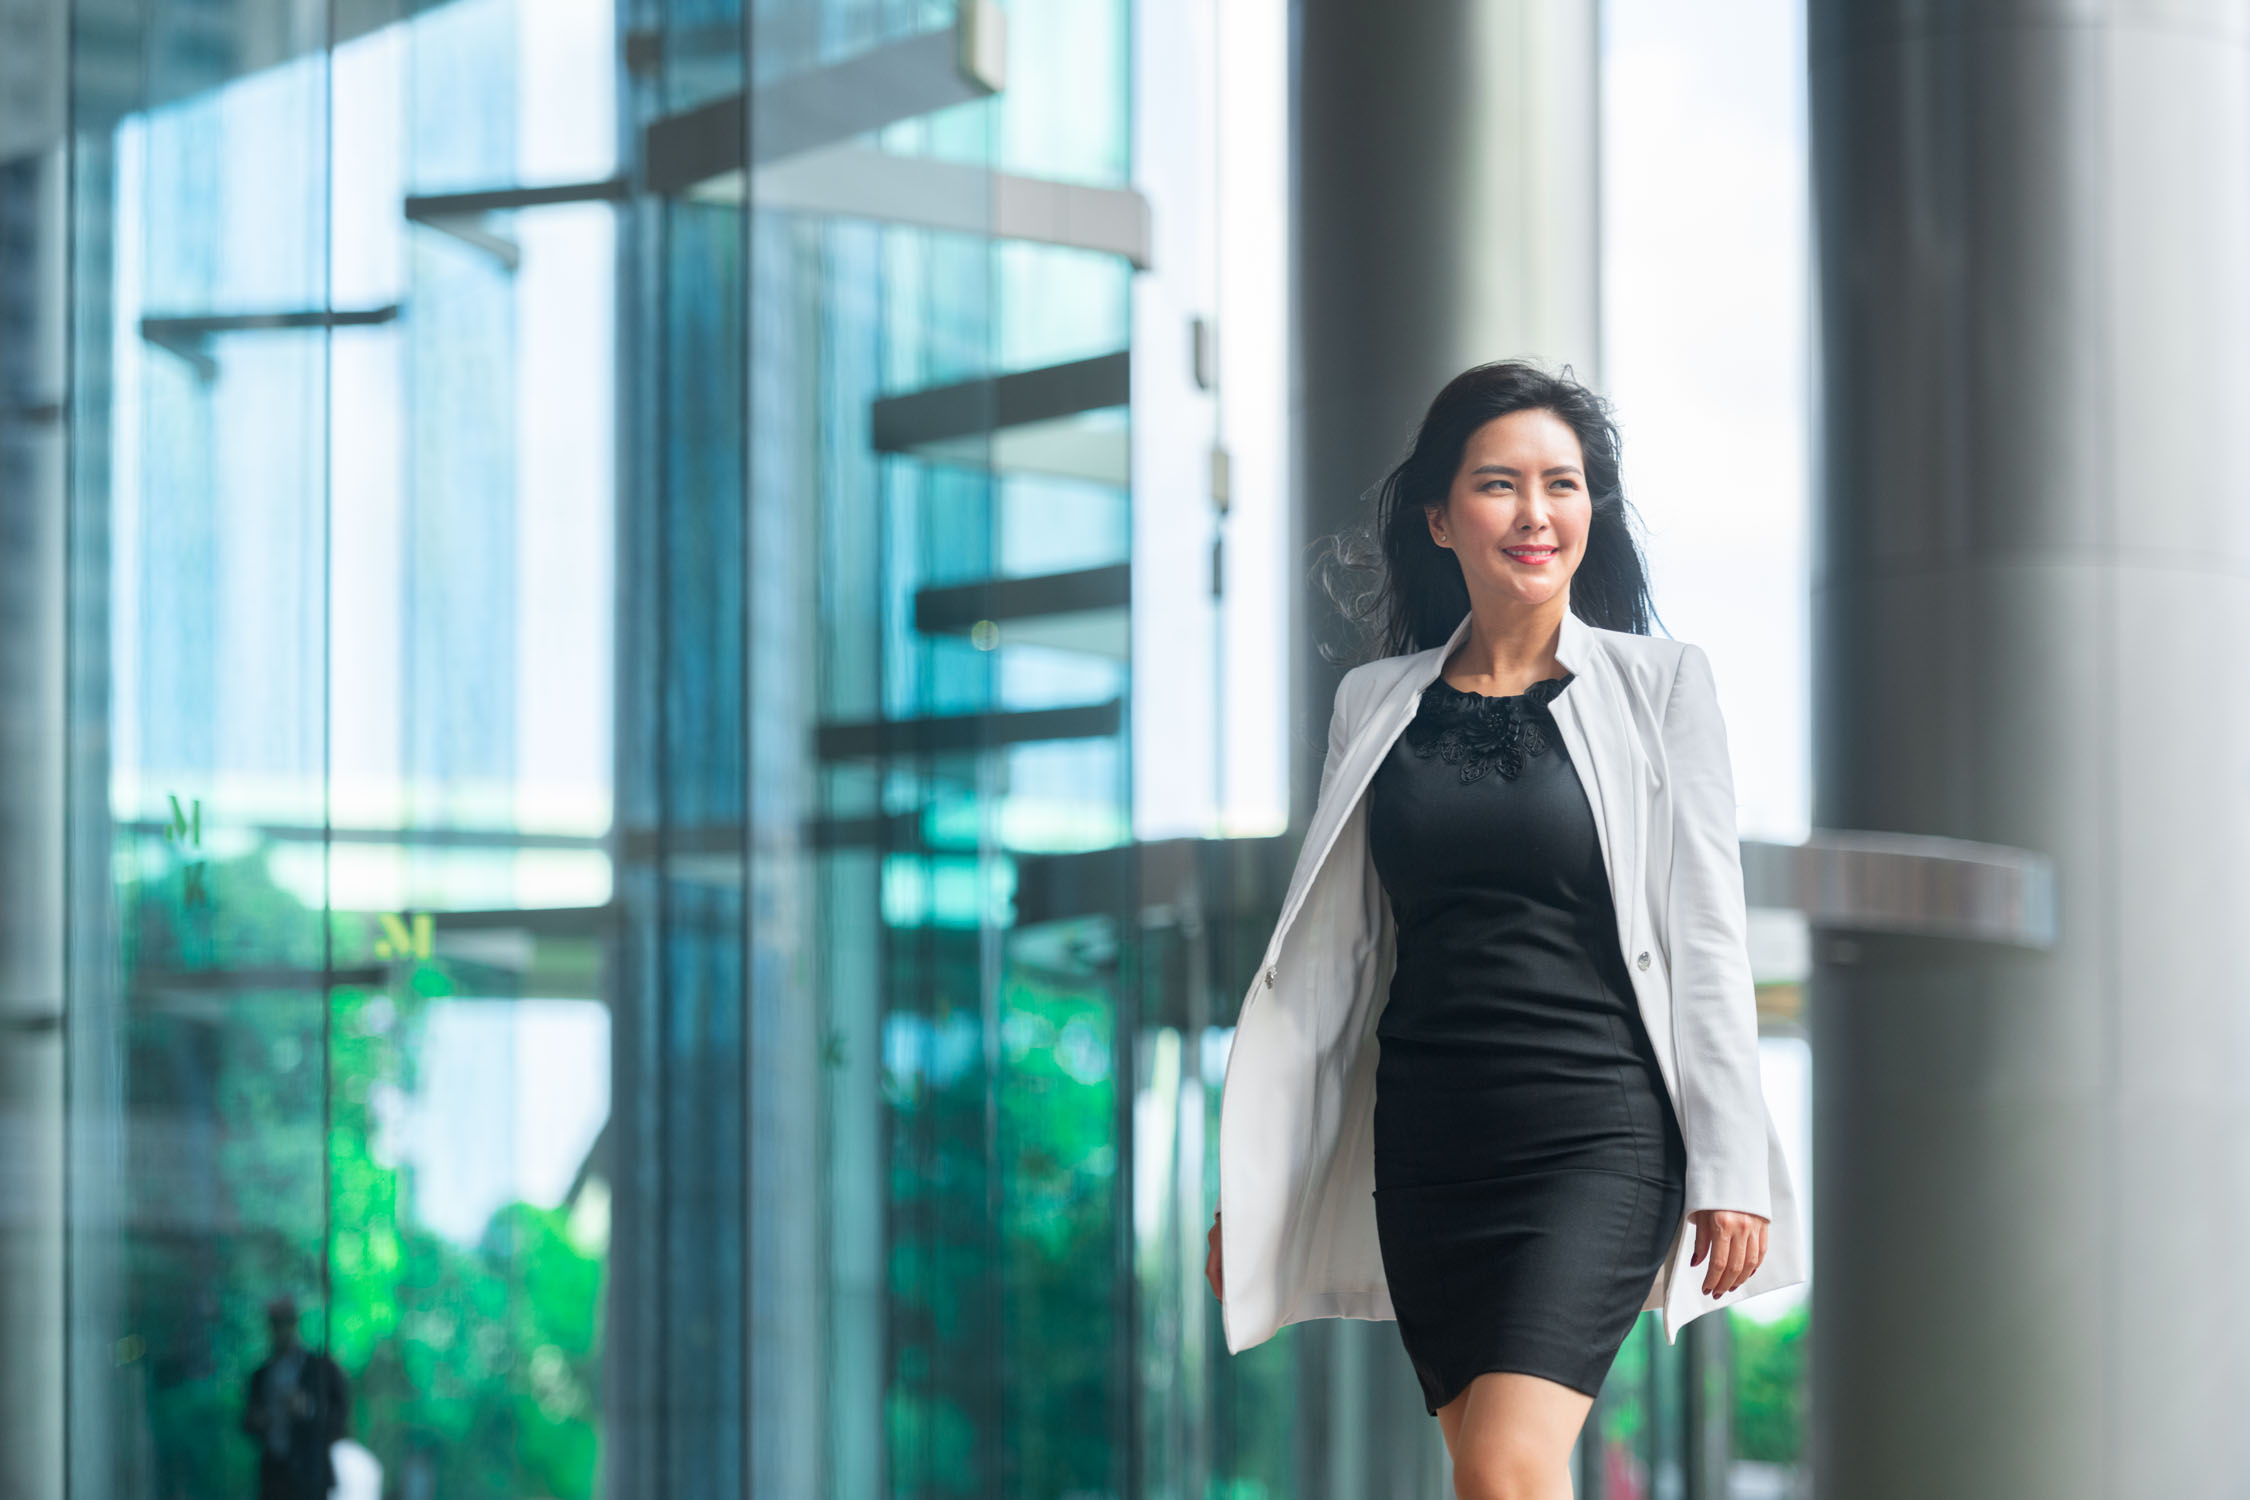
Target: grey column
{"points": [[1445, 214], [34, 199], [2032, 590]]}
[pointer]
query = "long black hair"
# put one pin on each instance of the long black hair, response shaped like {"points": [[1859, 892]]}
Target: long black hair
{"points": [[1406, 593]]}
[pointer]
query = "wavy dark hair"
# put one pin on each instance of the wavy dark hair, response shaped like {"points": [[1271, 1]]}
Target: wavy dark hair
{"points": [[1405, 593]]}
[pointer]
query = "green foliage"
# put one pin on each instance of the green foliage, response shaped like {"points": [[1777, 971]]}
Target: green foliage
{"points": [[1623, 1417], [491, 1374], [941, 1251], [1255, 1396], [1769, 1374], [1041, 1274], [1058, 1129]]}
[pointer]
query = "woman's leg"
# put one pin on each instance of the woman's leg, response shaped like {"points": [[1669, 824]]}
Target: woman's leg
{"points": [[1510, 1435]]}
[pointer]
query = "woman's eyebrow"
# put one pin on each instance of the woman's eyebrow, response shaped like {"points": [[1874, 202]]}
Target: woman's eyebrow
{"points": [[1511, 469]]}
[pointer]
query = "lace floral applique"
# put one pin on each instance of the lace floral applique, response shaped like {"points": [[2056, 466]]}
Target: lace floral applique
{"points": [[1479, 733]]}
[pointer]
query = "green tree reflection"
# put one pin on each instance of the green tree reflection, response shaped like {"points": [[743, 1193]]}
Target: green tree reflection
{"points": [[473, 1367]]}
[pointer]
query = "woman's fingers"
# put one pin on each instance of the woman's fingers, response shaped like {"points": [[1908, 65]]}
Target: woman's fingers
{"points": [[1748, 1250], [1753, 1250], [1738, 1259], [1736, 1245], [1214, 1271], [1715, 1270]]}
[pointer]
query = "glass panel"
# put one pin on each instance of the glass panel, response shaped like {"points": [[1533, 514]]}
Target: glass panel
{"points": [[594, 739], [200, 1090], [347, 995]]}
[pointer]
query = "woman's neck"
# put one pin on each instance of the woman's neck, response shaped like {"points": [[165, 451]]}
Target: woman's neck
{"points": [[1510, 646]]}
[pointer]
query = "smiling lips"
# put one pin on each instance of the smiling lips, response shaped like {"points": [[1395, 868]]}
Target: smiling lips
{"points": [[1532, 555]]}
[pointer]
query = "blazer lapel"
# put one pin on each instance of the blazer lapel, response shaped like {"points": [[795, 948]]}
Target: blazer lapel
{"points": [[1386, 719], [1597, 730], [1592, 716]]}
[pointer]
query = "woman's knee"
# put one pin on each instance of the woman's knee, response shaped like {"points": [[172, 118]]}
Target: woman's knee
{"points": [[1512, 1473], [1516, 1436]]}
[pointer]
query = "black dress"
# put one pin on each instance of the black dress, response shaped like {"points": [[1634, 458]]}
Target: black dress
{"points": [[1529, 1171]]}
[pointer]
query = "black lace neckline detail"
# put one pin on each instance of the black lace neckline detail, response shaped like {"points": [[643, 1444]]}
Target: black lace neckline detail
{"points": [[1480, 733]]}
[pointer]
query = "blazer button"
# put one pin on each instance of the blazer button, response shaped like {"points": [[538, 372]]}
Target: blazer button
{"points": [[1642, 961], [1269, 978]]}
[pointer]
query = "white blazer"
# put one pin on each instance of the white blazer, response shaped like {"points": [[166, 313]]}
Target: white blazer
{"points": [[1641, 721]]}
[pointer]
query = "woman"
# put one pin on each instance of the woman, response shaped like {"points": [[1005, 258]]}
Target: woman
{"points": [[1502, 1050]]}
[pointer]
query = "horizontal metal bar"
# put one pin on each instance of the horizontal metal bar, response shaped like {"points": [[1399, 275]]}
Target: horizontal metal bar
{"points": [[897, 80], [901, 80], [152, 981], [1160, 883], [421, 838], [989, 403], [174, 327], [558, 921], [644, 844], [959, 606], [899, 737], [1876, 882], [425, 206], [859, 182], [188, 335], [1912, 884], [695, 145], [32, 1021]]}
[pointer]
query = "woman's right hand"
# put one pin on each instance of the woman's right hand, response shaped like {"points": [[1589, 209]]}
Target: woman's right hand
{"points": [[1213, 1271]]}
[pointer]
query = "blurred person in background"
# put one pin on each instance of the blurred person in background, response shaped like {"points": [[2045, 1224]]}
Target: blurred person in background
{"points": [[297, 1405]]}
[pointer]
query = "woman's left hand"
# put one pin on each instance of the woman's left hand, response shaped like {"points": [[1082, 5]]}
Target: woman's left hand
{"points": [[1736, 1243]]}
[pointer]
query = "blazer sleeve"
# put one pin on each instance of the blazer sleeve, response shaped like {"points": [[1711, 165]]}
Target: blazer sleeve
{"points": [[1341, 719], [1714, 1005]]}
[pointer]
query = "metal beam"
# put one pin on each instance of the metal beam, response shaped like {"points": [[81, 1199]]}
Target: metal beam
{"points": [[969, 408], [189, 335], [425, 207], [899, 737], [859, 182], [1907, 883], [898, 80], [463, 215], [1083, 610], [1064, 419]]}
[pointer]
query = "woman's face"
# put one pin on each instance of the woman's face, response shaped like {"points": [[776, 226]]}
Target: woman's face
{"points": [[1518, 512]]}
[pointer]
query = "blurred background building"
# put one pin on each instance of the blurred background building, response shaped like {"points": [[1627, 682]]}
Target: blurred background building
{"points": [[657, 678]]}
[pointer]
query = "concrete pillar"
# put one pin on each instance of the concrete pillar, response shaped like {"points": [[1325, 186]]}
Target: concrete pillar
{"points": [[1444, 214], [34, 223], [2031, 590]]}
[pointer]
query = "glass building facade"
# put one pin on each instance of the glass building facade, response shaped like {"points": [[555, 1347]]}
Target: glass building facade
{"points": [[608, 599]]}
